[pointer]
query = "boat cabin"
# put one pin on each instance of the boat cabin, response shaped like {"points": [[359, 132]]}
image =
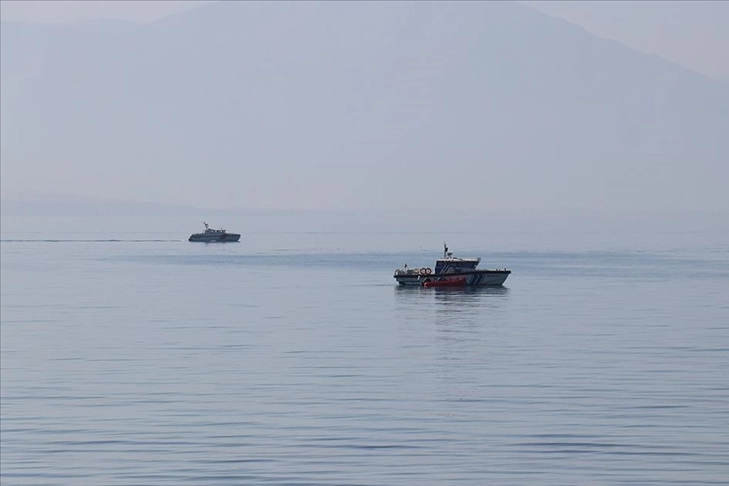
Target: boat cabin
{"points": [[451, 264], [455, 265], [211, 231]]}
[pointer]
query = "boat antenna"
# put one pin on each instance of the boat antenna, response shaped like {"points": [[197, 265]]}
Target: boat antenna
{"points": [[206, 225], [445, 250]]}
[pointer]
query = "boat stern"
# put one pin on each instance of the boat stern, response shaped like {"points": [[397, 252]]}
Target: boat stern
{"points": [[409, 276]]}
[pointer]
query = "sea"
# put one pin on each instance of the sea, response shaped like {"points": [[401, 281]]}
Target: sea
{"points": [[130, 356]]}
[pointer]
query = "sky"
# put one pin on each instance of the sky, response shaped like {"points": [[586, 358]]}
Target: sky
{"points": [[84, 10], [693, 34], [368, 105]]}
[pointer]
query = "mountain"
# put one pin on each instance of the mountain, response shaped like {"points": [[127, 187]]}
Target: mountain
{"points": [[358, 105]]}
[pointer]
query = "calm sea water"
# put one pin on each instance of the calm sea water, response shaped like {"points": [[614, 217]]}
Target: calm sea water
{"points": [[132, 357]]}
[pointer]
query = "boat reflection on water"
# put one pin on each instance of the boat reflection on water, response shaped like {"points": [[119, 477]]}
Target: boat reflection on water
{"points": [[402, 289], [463, 318], [455, 296]]}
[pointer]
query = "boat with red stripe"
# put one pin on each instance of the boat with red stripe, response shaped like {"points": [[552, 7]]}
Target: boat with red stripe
{"points": [[451, 271]]}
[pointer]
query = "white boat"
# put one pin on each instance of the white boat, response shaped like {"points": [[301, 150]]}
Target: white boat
{"points": [[214, 236], [451, 271]]}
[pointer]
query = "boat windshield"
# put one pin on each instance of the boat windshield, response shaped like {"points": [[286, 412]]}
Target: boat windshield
{"points": [[455, 265]]}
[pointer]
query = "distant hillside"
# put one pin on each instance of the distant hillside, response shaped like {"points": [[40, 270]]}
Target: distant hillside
{"points": [[357, 105]]}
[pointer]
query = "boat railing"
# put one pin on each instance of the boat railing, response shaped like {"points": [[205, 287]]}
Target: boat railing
{"points": [[412, 272]]}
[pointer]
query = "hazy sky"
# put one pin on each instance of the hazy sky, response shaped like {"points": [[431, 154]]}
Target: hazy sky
{"points": [[694, 33], [76, 11], [409, 105]]}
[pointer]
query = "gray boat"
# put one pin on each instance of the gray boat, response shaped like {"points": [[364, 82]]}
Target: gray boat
{"points": [[214, 236], [451, 271]]}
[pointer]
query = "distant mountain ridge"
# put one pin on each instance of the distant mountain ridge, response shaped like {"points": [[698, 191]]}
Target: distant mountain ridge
{"points": [[317, 105]]}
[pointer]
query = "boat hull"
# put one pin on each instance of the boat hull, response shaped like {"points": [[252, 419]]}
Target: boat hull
{"points": [[445, 282], [476, 278], [224, 238]]}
